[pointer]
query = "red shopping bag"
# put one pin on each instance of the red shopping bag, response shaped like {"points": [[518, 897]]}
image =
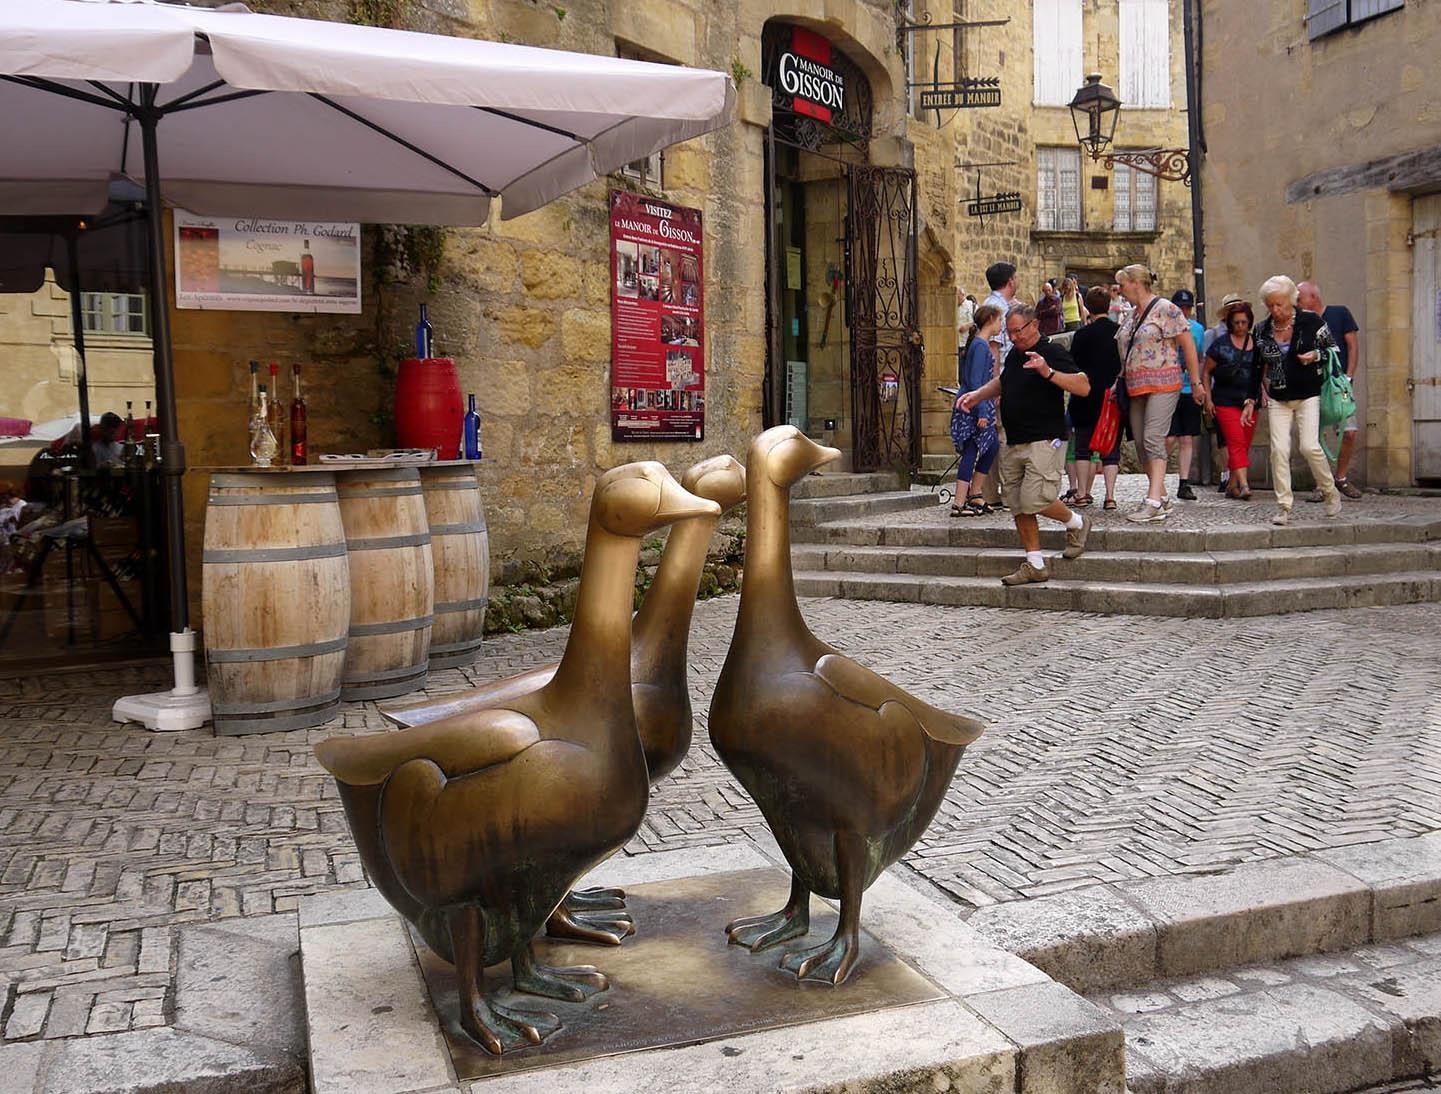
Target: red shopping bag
{"points": [[1108, 425]]}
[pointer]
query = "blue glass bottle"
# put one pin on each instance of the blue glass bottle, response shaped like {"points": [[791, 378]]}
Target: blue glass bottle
{"points": [[424, 335], [472, 432]]}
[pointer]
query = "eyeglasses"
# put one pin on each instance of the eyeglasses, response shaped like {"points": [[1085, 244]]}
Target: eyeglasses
{"points": [[1017, 330]]}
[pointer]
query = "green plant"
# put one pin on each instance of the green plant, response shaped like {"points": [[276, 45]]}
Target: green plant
{"points": [[559, 14], [739, 72]]}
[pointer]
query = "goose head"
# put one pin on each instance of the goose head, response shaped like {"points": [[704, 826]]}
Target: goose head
{"points": [[722, 479], [638, 498], [786, 455]]}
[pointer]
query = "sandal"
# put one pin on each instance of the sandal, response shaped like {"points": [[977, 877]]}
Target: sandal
{"points": [[1085, 501], [1068, 497], [975, 507], [1110, 504], [957, 510]]}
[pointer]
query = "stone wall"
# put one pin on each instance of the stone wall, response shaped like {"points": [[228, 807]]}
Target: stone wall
{"points": [[1278, 108]]}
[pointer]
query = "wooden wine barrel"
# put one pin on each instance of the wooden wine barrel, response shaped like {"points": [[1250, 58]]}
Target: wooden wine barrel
{"points": [[460, 547], [276, 595], [392, 581]]}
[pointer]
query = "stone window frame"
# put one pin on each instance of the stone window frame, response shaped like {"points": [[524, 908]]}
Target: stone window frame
{"points": [[1049, 160], [1134, 183], [102, 313]]}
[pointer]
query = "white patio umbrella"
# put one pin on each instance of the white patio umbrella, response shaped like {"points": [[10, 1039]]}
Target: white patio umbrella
{"points": [[225, 111]]}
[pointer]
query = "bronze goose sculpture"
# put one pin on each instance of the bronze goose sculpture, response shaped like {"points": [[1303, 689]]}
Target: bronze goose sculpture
{"points": [[847, 768], [660, 635], [475, 827]]}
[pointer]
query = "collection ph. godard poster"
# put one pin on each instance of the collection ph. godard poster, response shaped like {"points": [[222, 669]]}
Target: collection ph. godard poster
{"points": [[245, 263], [657, 367]]}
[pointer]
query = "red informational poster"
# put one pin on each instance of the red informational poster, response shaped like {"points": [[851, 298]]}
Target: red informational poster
{"points": [[657, 369]]}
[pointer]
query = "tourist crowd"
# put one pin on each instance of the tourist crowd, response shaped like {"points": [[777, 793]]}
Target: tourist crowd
{"points": [[1032, 411]]}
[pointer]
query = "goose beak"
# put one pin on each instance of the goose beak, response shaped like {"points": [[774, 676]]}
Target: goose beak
{"points": [[824, 455], [678, 503]]}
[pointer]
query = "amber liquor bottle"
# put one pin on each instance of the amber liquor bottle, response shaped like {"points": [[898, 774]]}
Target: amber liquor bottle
{"points": [[297, 424]]}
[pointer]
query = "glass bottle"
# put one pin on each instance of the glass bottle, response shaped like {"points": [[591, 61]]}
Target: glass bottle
{"points": [[298, 453], [127, 446], [254, 388], [263, 445], [472, 432], [276, 419], [150, 447], [307, 270], [424, 335]]}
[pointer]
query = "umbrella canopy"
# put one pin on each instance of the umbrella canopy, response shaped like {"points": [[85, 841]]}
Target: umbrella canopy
{"points": [[294, 118], [108, 249]]}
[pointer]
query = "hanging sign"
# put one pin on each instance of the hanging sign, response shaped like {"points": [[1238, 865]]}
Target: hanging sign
{"points": [[657, 370], [996, 203], [804, 73], [964, 95], [250, 264]]}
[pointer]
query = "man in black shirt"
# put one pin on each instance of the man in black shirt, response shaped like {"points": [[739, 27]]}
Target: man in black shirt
{"points": [[1345, 333], [1034, 378]]}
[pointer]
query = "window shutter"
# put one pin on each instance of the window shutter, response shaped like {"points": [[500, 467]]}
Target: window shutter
{"points": [[1324, 16], [1144, 217], [1069, 218], [1121, 180], [1146, 53], [1056, 51], [1045, 189], [1365, 9]]}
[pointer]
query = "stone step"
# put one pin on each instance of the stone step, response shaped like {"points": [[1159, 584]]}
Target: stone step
{"points": [[1249, 598], [829, 484], [1199, 568], [1309, 1025], [1118, 537], [851, 507]]}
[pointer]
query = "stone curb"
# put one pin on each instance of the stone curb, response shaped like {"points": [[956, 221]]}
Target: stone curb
{"points": [[1125, 935], [1004, 1024], [237, 1027]]}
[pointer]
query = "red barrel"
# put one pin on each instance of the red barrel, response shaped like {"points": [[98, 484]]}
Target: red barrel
{"points": [[428, 407]]}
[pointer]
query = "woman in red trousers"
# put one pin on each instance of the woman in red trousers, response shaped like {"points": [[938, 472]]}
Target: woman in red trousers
{"points": [[1233, 377]]}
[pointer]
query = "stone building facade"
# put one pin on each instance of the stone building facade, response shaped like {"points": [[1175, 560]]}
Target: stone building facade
{"points": [[1041, 56], [1323, 126]]}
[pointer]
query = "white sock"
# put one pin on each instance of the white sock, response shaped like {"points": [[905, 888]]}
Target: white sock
{"points": [[1036, 559], [1075, 522], [1153, 503]]}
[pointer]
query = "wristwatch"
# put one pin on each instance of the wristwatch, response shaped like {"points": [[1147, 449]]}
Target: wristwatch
{"points": [[1050, 372]]}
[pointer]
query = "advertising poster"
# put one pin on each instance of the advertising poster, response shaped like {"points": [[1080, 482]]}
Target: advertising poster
{"points": [[657, 371], [248, 264]]}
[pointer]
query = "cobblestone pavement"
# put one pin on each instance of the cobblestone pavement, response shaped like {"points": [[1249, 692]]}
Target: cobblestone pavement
{"points": [[1209, 510], [1116, 748]]}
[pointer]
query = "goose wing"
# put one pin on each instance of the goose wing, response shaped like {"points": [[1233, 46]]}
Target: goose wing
{"points": [[457, 746], [859, 684]]}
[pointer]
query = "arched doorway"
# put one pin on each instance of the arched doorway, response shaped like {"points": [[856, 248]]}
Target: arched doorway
{"points": [[844, 353]]}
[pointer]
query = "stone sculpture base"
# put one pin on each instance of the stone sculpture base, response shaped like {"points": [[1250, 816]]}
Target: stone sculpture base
{"points": [[677, 981]]}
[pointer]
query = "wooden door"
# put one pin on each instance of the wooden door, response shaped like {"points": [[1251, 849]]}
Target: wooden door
{"points": [[1426, 337]]}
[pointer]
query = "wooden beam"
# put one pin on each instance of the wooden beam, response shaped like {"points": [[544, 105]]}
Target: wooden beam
{"points": [[1404, 172]]}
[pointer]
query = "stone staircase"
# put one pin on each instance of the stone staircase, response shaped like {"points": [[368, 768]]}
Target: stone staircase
{"points": [[883, 545]]}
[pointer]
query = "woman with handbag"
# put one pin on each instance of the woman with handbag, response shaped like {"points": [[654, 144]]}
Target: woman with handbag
{"points": [[1293, 346], [1094, 350], [973, 432], [1233, 379]]}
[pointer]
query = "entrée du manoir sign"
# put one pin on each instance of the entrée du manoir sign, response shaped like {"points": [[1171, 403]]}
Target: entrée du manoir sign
{"points": [[995, 203], [964, 95]]}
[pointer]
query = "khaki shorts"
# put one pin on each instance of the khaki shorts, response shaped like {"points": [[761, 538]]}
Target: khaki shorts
{"points": [[1031, 475]]}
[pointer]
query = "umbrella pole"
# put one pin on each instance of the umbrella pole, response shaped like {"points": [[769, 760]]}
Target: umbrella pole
{"points": [[77, 324], [185, 706]]}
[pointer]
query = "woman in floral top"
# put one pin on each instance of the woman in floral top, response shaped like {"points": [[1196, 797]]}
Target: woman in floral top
{"points": [[1154, 340], [1292, 346]]}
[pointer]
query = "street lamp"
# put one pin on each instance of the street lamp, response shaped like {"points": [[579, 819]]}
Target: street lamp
{"points": [[1094, 110]]}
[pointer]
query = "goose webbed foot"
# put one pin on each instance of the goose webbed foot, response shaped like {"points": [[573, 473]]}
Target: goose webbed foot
{"points": [[594, 900], [500, 1029], [829, 963], [760, 932], [597, 928], [573, 984]]}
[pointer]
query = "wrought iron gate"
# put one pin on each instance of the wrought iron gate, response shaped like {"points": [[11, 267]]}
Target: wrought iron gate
{"points": [[882, 305]]}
